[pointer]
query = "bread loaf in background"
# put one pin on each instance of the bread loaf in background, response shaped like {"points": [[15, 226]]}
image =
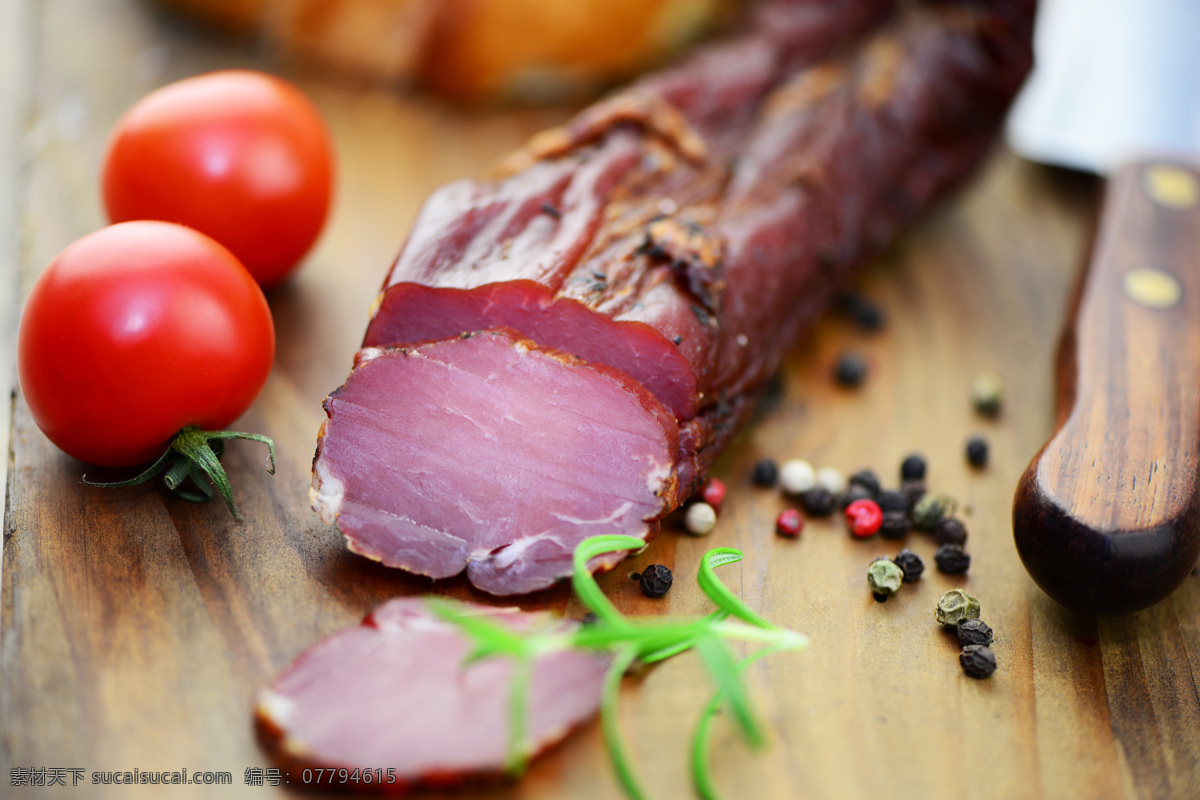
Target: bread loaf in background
{"points": [[473, 49]]}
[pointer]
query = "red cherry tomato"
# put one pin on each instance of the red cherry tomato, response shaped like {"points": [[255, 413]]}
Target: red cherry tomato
{"points": [[241, 156], [134, 332]]}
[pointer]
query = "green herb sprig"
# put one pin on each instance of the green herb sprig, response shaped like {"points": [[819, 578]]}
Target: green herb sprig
{"points": [[632, 641]]}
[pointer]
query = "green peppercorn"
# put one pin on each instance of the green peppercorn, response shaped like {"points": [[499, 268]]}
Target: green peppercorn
{"points": [[950, 530], [977, 660], [910, 564], [974, 631], [930, 509], [955, 606], [884, 577], [987, 394]]}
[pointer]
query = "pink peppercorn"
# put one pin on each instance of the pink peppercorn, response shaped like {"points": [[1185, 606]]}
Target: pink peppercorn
{"points": [[864, 518], [789, 523], [713, 493]]}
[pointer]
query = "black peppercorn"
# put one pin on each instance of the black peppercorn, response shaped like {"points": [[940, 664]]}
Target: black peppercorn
{"points": [[851, 370], [910, 564], [912, 468], [977, 451], [892, 500], [895, 525], [868, 480], [950, 531], [589, 618], [766, 473], [974, 631], [656, 580], [977, 660], [951, 559], [818, 502], [856, 492], [913, 492], [862, 311]]}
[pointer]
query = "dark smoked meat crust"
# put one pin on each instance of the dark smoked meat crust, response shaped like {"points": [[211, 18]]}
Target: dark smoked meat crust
{"points": [[687, 230], [705, 217]]}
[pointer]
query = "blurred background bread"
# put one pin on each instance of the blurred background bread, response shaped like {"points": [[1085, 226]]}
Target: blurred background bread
{"points": [[473, 49]]}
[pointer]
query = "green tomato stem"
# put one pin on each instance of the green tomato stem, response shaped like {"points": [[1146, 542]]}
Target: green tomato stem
{"points": [[191, 456]]}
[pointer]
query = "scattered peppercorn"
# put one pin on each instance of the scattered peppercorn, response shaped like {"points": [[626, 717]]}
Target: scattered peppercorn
{"points": [[851, 370], [884, 577], [854, 493], [930, 509], [589, 618], [910, 564], [950, 530], [913, 468], [656, 580], [796, 476], [977, 660], [700, 519], [977, 451], [868, 480], [713, 493], [892, 500], [913, 492], [974, 631], [987, 394], [789, 523], [766, 473], [956, 606], [864, 518], [895, 525], [951, 559], [862, 311], [832, 479], [818, 501]]}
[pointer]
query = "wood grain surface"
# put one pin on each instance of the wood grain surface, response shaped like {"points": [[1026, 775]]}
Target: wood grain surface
{"points": [[1107, 516], [136, 629]]}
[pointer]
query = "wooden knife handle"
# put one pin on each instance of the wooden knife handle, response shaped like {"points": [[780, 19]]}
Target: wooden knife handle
{"points": [[1107, 515]]}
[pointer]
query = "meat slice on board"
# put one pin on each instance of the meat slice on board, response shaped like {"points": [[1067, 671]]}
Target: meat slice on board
{"points": [[395, 693], [682, 233]]}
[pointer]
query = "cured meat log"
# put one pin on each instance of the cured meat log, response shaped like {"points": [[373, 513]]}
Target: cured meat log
{"points": [[674, 240], [394, 695]]}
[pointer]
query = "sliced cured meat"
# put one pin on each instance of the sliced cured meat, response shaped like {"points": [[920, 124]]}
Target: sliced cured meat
{"points": [[685, 232], [394, 694], [491, 454]]}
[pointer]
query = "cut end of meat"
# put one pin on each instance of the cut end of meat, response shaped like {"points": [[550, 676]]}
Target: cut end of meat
{"points": [[394, 695], [488, 453], [410, 313]]}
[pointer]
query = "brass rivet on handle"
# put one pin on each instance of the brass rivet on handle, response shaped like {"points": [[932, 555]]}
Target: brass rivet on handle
{"points": [[1152, 288], [1171, 186]]}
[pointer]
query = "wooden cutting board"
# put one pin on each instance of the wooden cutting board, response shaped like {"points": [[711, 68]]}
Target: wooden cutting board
{"points": [[137, 628]]}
